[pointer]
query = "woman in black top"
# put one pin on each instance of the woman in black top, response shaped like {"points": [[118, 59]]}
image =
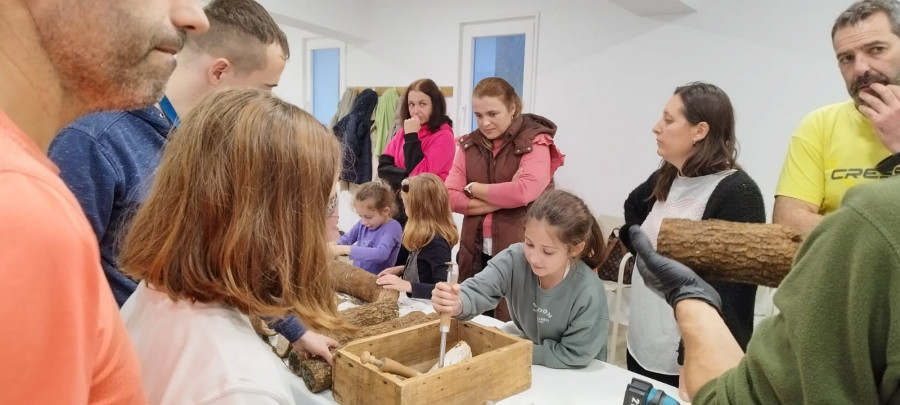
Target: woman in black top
{"points": [[698, 179]]}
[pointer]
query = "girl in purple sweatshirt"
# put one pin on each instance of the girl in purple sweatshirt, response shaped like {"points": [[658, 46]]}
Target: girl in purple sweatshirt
{"points": [[374, 241]]}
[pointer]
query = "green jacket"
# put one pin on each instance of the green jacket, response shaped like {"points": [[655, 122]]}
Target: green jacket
{"points": [[837, 337]]}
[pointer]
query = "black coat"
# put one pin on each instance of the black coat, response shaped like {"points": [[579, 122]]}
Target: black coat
{"points": [[354, 132]]}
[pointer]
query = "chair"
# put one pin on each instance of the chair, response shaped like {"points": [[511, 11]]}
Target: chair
{"points": [[616, 318]]}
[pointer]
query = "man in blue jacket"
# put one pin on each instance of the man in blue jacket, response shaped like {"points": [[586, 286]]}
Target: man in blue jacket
{"points": [[108, 158]]}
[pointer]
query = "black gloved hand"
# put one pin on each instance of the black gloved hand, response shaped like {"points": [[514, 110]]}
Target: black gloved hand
{"points": [[670, 279]]}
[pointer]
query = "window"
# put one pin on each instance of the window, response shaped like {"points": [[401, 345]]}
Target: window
{"points": [[326, 83], [503, 49], [324, 77], [499, 56]]}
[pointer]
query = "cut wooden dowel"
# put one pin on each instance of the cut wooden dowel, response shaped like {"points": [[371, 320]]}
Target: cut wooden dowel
{"points": [[388, 366], [759, 254]]}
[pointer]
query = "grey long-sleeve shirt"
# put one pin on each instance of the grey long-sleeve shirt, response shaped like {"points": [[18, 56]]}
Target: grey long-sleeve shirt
{"points": [[567, 323]]}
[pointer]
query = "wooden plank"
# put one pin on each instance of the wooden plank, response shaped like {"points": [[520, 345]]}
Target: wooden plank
{"points": [[350, 375], [502, 367], [489, 377], [317, 374], [409, 346], [484, 339]]}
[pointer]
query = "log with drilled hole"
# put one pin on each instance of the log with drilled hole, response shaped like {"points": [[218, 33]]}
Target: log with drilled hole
{"points": [[718, 250], [316, 373]]}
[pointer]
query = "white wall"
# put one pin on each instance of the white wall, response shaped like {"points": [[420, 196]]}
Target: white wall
{"points": [[604, 73], [290, 88]]}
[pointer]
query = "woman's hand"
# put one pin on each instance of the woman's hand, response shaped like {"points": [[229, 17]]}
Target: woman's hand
{"points": [[411, 125], [479, 207], [396, 270], [445, 299], [392, 282], [316, 345]]}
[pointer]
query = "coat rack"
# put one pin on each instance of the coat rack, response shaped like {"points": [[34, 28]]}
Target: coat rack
{"points": [[447, 91]]}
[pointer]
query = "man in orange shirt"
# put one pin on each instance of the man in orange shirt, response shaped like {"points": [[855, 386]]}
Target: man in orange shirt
{"points": [[63, 341]]}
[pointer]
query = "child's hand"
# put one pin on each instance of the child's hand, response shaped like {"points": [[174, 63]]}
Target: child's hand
{"points": [[393, 282], [340, 250], [396, 270], [445, 299], [316, 345]]}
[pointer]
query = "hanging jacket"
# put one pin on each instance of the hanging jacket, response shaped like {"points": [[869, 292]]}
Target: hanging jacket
{"points": [[384, 120], [354, 133], [398, 117], [344, 105]]}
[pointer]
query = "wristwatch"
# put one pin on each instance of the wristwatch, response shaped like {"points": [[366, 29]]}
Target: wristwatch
{"points": [[468, 190]]}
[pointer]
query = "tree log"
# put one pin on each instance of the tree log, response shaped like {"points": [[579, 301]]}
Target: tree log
{"points": [[358, 283], [371, 313], [316, 373], [364, 315], [718, 250]]}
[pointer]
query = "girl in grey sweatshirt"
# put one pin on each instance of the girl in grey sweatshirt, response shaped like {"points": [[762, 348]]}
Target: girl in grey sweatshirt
{"points": [[554, 297]]}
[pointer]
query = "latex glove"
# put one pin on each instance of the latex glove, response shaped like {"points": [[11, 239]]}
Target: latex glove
{"points": [[316, 345], [670, 279]]}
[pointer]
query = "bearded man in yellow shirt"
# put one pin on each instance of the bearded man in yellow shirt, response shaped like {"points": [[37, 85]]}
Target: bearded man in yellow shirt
{"points": [[839, 146]]}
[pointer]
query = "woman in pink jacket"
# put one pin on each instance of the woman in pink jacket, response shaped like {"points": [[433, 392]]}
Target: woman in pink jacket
{"points": [[424, 144]]}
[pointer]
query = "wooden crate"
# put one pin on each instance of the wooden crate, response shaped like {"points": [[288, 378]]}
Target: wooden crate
{"points": [[500, 367]]}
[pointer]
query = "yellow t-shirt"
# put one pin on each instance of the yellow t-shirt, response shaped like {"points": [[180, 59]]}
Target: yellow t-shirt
{"points": [[834, 148]]}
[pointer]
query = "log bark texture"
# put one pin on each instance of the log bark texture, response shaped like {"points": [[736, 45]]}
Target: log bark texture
{"points": [[364, 315], [718, 250], [369, 314], [316, 373], [359, 283]]}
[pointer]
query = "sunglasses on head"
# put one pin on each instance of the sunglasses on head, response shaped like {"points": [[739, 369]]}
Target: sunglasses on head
{"points": [[404, 185]]}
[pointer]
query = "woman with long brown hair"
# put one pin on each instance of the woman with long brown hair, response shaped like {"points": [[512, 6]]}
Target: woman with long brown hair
{"points": [[500, 168], [699, 178], [429, 236], [234, 225]]}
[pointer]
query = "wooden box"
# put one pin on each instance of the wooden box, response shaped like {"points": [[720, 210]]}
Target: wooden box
{"points": [[500, 367]]}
